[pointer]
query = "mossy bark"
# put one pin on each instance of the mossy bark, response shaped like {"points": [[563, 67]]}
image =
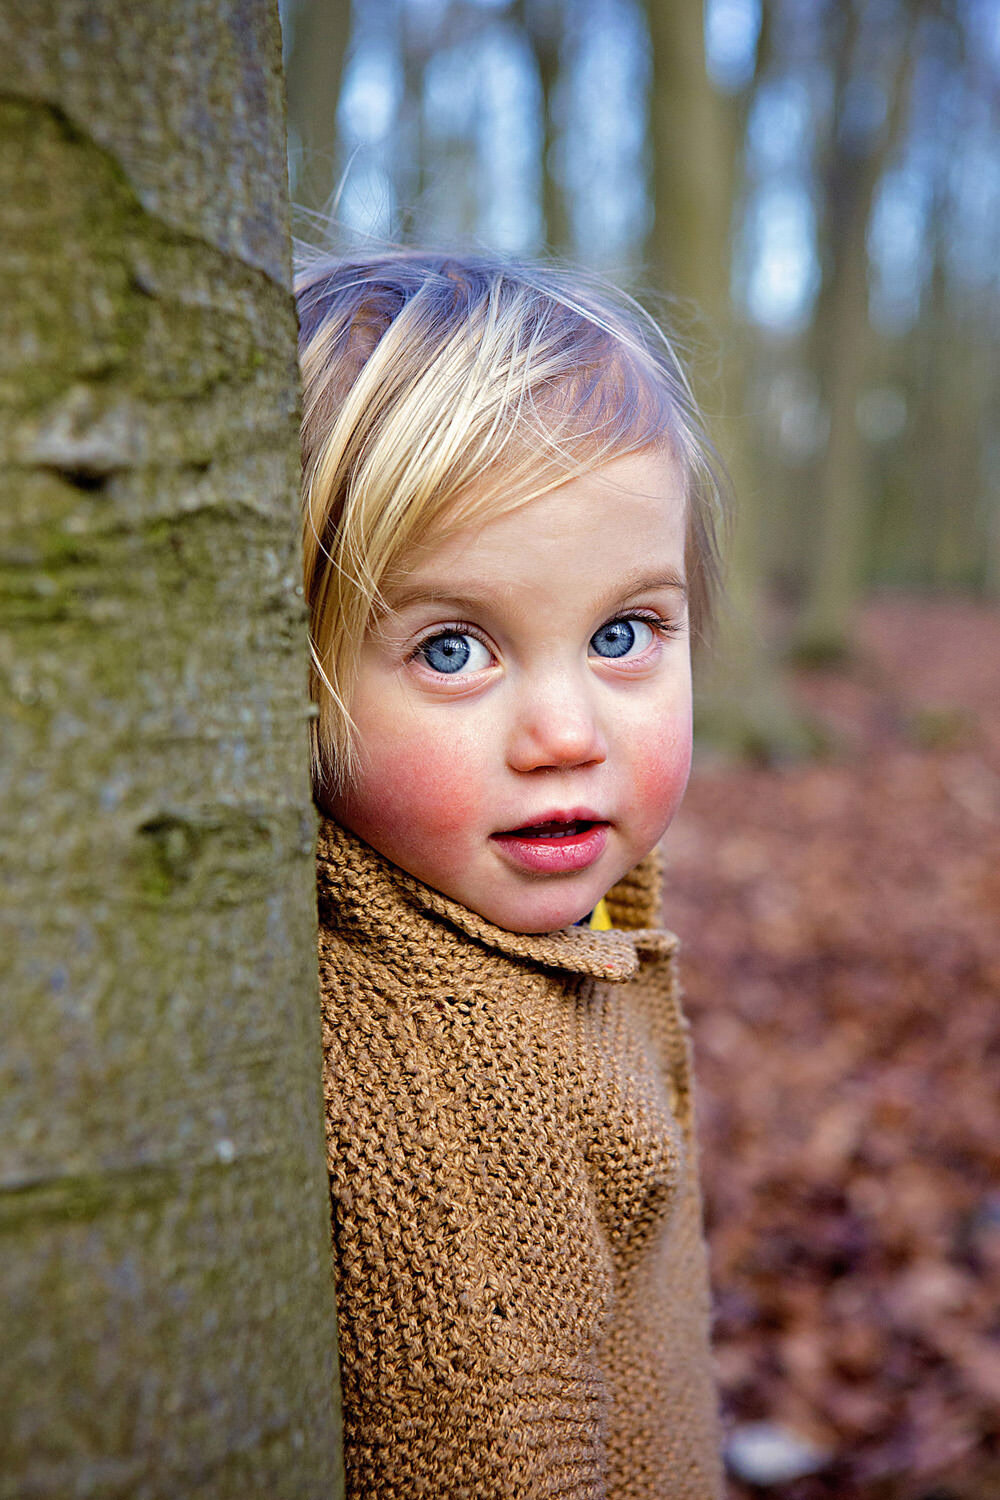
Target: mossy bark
{"points": [[164, 1239]]}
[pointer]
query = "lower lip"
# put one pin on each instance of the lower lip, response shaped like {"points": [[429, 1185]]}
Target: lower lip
{"points": [[555, 856]]}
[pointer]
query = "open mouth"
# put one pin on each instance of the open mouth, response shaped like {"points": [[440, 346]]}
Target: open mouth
{"points": [[555, 846], [553, 830]]}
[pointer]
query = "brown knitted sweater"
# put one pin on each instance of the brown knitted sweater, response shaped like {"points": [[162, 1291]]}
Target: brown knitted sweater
{"points": [[520, 1268]]}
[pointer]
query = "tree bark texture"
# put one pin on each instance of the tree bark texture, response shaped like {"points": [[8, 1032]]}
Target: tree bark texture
{"points": [[168, 1324]]}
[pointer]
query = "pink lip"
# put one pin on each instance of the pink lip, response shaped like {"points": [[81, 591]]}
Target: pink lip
{"points": [[556, 854]]}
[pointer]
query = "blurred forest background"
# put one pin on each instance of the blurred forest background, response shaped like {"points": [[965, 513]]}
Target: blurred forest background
{"points": [[809, 190], [814, 187]]}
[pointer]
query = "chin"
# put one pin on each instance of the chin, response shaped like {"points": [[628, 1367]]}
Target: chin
{"points": [[537, 928], [542, 915]]}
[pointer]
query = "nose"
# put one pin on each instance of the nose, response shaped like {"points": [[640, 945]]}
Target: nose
{"points": [[555, 727]]}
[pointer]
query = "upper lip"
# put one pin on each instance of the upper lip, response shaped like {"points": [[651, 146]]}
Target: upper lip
{"points": [[558, 815]]}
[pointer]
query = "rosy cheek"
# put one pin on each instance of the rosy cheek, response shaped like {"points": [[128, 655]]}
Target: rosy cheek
{"points": [[660, 773], [414, 798], [430, 795]]}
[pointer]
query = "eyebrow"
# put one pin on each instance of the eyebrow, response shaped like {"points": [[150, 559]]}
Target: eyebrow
{"points": [[644, 583], [638, 583]]}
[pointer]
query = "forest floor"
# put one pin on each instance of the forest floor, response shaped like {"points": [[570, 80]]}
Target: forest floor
{"points": [[841, 947]]}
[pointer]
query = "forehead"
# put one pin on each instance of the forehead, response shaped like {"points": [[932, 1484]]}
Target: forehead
{"points": [[621, 522]]}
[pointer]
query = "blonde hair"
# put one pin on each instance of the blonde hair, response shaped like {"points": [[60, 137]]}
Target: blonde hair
{"points": [[441, 390]]}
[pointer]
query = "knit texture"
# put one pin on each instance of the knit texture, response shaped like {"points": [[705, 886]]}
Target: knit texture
{"points": [[521, 1284]]}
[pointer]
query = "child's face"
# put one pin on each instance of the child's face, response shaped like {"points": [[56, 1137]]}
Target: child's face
{"points": [[524, 710]]}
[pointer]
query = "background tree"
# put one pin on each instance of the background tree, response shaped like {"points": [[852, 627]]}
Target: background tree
{"points": [[168, 1311], [697, 137], [872, 58], [545, 23], [315, 48]]}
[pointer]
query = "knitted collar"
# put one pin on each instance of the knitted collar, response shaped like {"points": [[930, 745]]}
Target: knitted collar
{"points": [[358, 886]]}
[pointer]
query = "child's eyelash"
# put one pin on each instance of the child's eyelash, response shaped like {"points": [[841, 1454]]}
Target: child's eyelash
{"points": [[656, 622]]}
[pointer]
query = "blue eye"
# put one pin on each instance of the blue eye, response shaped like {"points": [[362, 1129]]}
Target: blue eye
{"points": [[621, 638], [454, 651]]}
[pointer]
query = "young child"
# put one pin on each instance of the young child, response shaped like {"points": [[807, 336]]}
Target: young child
{"points": [[509, 533]]}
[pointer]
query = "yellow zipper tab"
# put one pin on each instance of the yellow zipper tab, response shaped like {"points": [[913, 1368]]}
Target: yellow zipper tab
{"points": [[600, 917]]}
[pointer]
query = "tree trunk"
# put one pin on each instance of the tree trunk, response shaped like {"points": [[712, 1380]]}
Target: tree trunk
{"points": [[320, 35], [696, 139], [693, 168], [168, 1323], [843, 491], [545, 23], [842, 340]]}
